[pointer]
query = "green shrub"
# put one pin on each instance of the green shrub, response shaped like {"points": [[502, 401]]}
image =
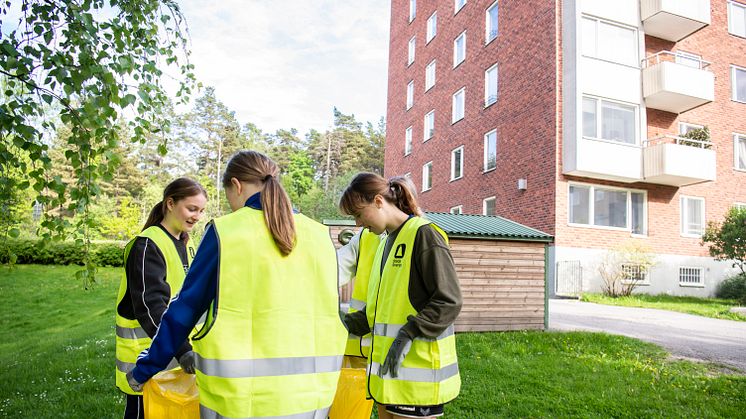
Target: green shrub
{"points": [[62, 253], [733, 288]]}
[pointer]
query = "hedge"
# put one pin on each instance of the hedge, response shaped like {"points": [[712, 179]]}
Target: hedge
{"points": [[61, 253], [733, 288]]}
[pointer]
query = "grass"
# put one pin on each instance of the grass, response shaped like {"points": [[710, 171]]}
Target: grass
{"points": [[708, 307], [58, 357]]}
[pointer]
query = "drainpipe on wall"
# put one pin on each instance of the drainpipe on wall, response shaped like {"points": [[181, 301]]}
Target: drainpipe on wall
{"points": [[546, 287]]}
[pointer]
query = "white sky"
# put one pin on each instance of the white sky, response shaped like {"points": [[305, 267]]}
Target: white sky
{"points": [[287, 63]]}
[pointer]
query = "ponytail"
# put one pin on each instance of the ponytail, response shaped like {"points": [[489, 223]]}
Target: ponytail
{"points": [[176, 190], [404, 199], [398, 191], [156, 216], [255, 167]]}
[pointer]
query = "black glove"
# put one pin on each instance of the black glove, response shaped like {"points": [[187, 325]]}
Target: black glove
{"points": [[398, 350], [357, 323], [133, 383], [186, 360]]}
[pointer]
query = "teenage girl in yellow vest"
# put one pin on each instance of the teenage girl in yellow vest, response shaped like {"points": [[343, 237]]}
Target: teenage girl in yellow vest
{"points": [[412, 301], [155, 264], [273, 341]]}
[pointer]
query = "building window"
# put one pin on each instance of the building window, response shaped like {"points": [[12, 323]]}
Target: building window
{"points": [[737, 18], [488, 206], [408, 141], [427, 176], [490, 86], [458, 209], [692, 216], [457, 5], [739, 205], [610, 42], [457, 107], [685, 127], [739, 151], [738, 77], [634, 274], [459, 49], [430, 75], [410, 94], [614, 208], [429, 126], [410, 51], [412, 9], [490, 150], [432, 27], [490, 24], [688, 59], [457, 163], [617, 121], [691, 277]]}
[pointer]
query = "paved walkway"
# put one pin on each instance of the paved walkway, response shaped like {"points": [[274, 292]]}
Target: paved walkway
{"points": [[686, 335]]}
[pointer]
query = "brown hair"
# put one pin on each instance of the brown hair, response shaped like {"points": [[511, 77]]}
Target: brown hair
{"points": [[177, 190], [255, 167], [399, 191]]}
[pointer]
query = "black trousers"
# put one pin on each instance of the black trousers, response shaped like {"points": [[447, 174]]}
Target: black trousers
{"points": [[134, 408]]}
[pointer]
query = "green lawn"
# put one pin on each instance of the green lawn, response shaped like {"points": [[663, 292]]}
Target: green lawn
{"points": [[709, 307], [58, 357]]}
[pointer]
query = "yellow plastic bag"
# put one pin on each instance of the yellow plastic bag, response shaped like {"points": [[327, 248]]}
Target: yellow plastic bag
{"points": [[171, 395], [350, 402]]}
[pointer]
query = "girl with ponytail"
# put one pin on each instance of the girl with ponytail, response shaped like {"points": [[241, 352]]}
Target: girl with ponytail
{"points": [[155, 263], [267, 278], [412, 302]]}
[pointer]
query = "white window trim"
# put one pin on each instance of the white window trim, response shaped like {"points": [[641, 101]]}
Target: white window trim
{"points": [[730, 5], [456, 7], [599, 120], [435, 27], [733, 91], [435, 74], [484, 204], [736, 136], [424, 126], [408, 133], [740, 205], [453, 161], [592, 209], [410, 58], [453, 106], [646, 277], [410, 94], [456, 64], [429, 165], [460, 209], [612, 23], [487, 38], [682, 214], [687, 124], [486, 86], [484, 145], [700, 284], [412, 10]]}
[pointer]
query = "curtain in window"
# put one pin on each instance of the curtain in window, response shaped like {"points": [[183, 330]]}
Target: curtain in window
{"points": [[741, 145], [610, 208], [617, 122], [579, 205]]}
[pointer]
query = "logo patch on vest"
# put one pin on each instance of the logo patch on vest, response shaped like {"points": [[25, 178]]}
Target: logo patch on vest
{"points": [[401, 249], [191, 252]]}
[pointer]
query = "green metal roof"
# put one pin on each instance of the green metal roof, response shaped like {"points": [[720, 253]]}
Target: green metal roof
{"points": [[476, 226]]}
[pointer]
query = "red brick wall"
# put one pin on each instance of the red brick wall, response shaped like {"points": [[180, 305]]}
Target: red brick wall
{"points": [[524, 114]]}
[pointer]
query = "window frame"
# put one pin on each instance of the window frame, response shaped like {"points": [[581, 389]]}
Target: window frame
{"points": [[457, 7], [410, 95], [408, 141], [634, 63], [599, 120], [688, 124], [486, 169], [492, 198], [411, 50], [487, 95], [429, 166], [700, 284], [734, 69], [412, 10], [645, 273], [683, 216], [736, 138], [732, 4], [453, 162], [463, 105], [739, 205], [460, 209], [425, 128], [592, 208], [487, 30], [432, 64], [434, 25], [455, 49]]}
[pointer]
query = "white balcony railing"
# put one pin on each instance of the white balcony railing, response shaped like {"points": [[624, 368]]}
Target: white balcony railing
{"points": [[678, 161], [676, 82], [674, 20]]}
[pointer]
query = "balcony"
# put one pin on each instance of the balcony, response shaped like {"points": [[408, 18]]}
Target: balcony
{"points": [[601, 159], [676, 82], [677, 161], [674, 20]]}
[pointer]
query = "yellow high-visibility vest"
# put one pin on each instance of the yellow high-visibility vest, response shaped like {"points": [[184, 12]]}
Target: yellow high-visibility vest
{"points": [[131, 339], [429, 373], [274, 343], [360, 345]]}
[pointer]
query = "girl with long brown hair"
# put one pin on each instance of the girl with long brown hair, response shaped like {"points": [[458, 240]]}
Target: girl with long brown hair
{"points": [[273, 341], [412, 301]]}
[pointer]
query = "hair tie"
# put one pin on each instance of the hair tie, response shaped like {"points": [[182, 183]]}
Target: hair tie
{"points": [[268, 177]]}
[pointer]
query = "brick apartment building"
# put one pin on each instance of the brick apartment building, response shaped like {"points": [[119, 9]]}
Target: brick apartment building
{"points": [[566, 116]]}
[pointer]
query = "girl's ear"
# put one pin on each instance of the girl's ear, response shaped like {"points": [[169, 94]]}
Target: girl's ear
{"points": [[378, 201], [170, 204], [237, 184]]}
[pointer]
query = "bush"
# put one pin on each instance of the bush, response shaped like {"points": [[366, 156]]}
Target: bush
{"points": [[733, 288], [62, 253]]}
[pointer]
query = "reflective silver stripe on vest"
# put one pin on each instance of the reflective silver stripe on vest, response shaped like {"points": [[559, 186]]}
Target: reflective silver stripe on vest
{"points": [[131, 332], [267, 367], [366, 341], [126, 367], [207, 413], [357, 304], [391, 330], [424, 375]]}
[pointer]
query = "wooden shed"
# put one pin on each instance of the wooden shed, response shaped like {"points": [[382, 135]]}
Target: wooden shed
{"points": [[501, 266]]}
